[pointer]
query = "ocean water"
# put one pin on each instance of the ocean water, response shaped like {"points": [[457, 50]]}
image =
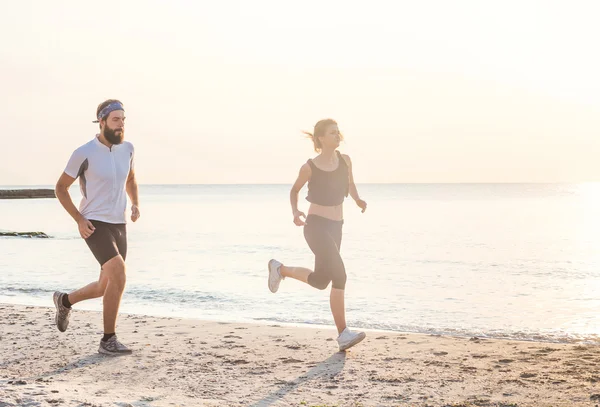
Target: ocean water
{"points": [[517, 261]]}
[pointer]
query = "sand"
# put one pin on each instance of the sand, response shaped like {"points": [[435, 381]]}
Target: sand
{"points": [[186, 362]]}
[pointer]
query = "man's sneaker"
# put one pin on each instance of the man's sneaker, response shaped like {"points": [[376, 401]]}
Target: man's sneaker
{"points": [[62, 313], [113, 347], [275, 276], [348, 339]]}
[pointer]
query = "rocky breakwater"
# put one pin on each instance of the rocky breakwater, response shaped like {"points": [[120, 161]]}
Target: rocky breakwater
{"points": [[26, 193]]}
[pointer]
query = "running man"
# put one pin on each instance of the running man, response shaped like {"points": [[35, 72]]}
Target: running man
{"points": [[105, 168]]}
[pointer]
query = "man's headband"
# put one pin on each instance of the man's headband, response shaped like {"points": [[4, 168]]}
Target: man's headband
{"points": [[106, 111]]}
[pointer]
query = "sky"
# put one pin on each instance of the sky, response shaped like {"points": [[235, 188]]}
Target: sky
{"points": [[220, 91]]}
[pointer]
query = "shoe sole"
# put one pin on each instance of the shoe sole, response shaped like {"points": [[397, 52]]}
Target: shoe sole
{"points": [[356, 341], [109, 353], [269, 279]]}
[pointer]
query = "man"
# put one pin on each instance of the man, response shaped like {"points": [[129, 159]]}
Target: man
{"points": [[105, 168]]}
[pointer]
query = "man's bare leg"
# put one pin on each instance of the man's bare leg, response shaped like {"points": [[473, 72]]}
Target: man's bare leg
{"points": [[114, 269], [92, 290]]}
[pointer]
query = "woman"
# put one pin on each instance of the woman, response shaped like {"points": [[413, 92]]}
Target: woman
{"points": [[329, 177]]}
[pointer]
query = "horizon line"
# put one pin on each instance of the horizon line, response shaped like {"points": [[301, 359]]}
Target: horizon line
{"points": [[358, 183]]}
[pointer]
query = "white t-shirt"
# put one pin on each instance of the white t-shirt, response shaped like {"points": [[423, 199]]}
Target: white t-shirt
{"points": [[102, 173]]}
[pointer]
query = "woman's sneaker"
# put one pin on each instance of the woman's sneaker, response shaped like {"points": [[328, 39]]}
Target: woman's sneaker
{"points": [[348, 339], [275, 276]]}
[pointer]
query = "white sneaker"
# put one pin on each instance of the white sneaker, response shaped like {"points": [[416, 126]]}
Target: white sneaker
{"points": [[348, 339], [275, 276]]}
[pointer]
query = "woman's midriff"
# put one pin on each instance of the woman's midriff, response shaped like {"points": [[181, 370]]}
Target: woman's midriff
{"points": [[330, 212]]}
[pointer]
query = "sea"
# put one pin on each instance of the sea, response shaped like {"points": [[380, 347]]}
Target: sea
{"points": [[514, 261]]}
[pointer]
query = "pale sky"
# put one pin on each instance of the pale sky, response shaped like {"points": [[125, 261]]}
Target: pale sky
{"points": [[219, 91]]}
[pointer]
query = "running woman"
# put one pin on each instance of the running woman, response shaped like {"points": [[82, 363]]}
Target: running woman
{"points": [[330, 180]]}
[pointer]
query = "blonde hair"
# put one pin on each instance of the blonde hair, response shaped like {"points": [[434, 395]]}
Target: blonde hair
{"points": [[319, 131]]}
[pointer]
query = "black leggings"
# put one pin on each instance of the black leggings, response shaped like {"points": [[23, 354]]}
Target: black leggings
{"points": [[324, 237]]}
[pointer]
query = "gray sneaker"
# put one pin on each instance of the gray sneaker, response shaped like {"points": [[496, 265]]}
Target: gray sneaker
{"points": [[62, 313], [113, 347]]}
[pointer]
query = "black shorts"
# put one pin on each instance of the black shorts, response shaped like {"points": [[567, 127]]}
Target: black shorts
{"points": [[108, 240]]}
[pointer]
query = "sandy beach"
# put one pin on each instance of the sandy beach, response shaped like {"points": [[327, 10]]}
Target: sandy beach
{"points": [[180, 362]]}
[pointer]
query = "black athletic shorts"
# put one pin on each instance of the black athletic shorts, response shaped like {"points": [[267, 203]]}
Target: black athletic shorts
{"points": [[108, 240]]}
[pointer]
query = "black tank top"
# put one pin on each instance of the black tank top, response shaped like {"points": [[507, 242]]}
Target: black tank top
{"points": [[328, 188]]}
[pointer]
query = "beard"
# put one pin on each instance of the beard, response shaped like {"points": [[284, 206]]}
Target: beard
{"points": [[112, 136]]}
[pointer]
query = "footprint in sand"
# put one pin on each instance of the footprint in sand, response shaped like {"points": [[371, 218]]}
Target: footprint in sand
{"points": [[290, 360], [237, 362], [546, 350], [527, 375], [391, 379]]}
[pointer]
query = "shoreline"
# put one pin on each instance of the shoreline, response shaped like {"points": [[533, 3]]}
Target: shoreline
{"points": [[187, 362], [532, 337]]}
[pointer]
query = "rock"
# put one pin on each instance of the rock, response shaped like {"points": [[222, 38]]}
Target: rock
{"points": [[26, 193], [24, 234]]}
